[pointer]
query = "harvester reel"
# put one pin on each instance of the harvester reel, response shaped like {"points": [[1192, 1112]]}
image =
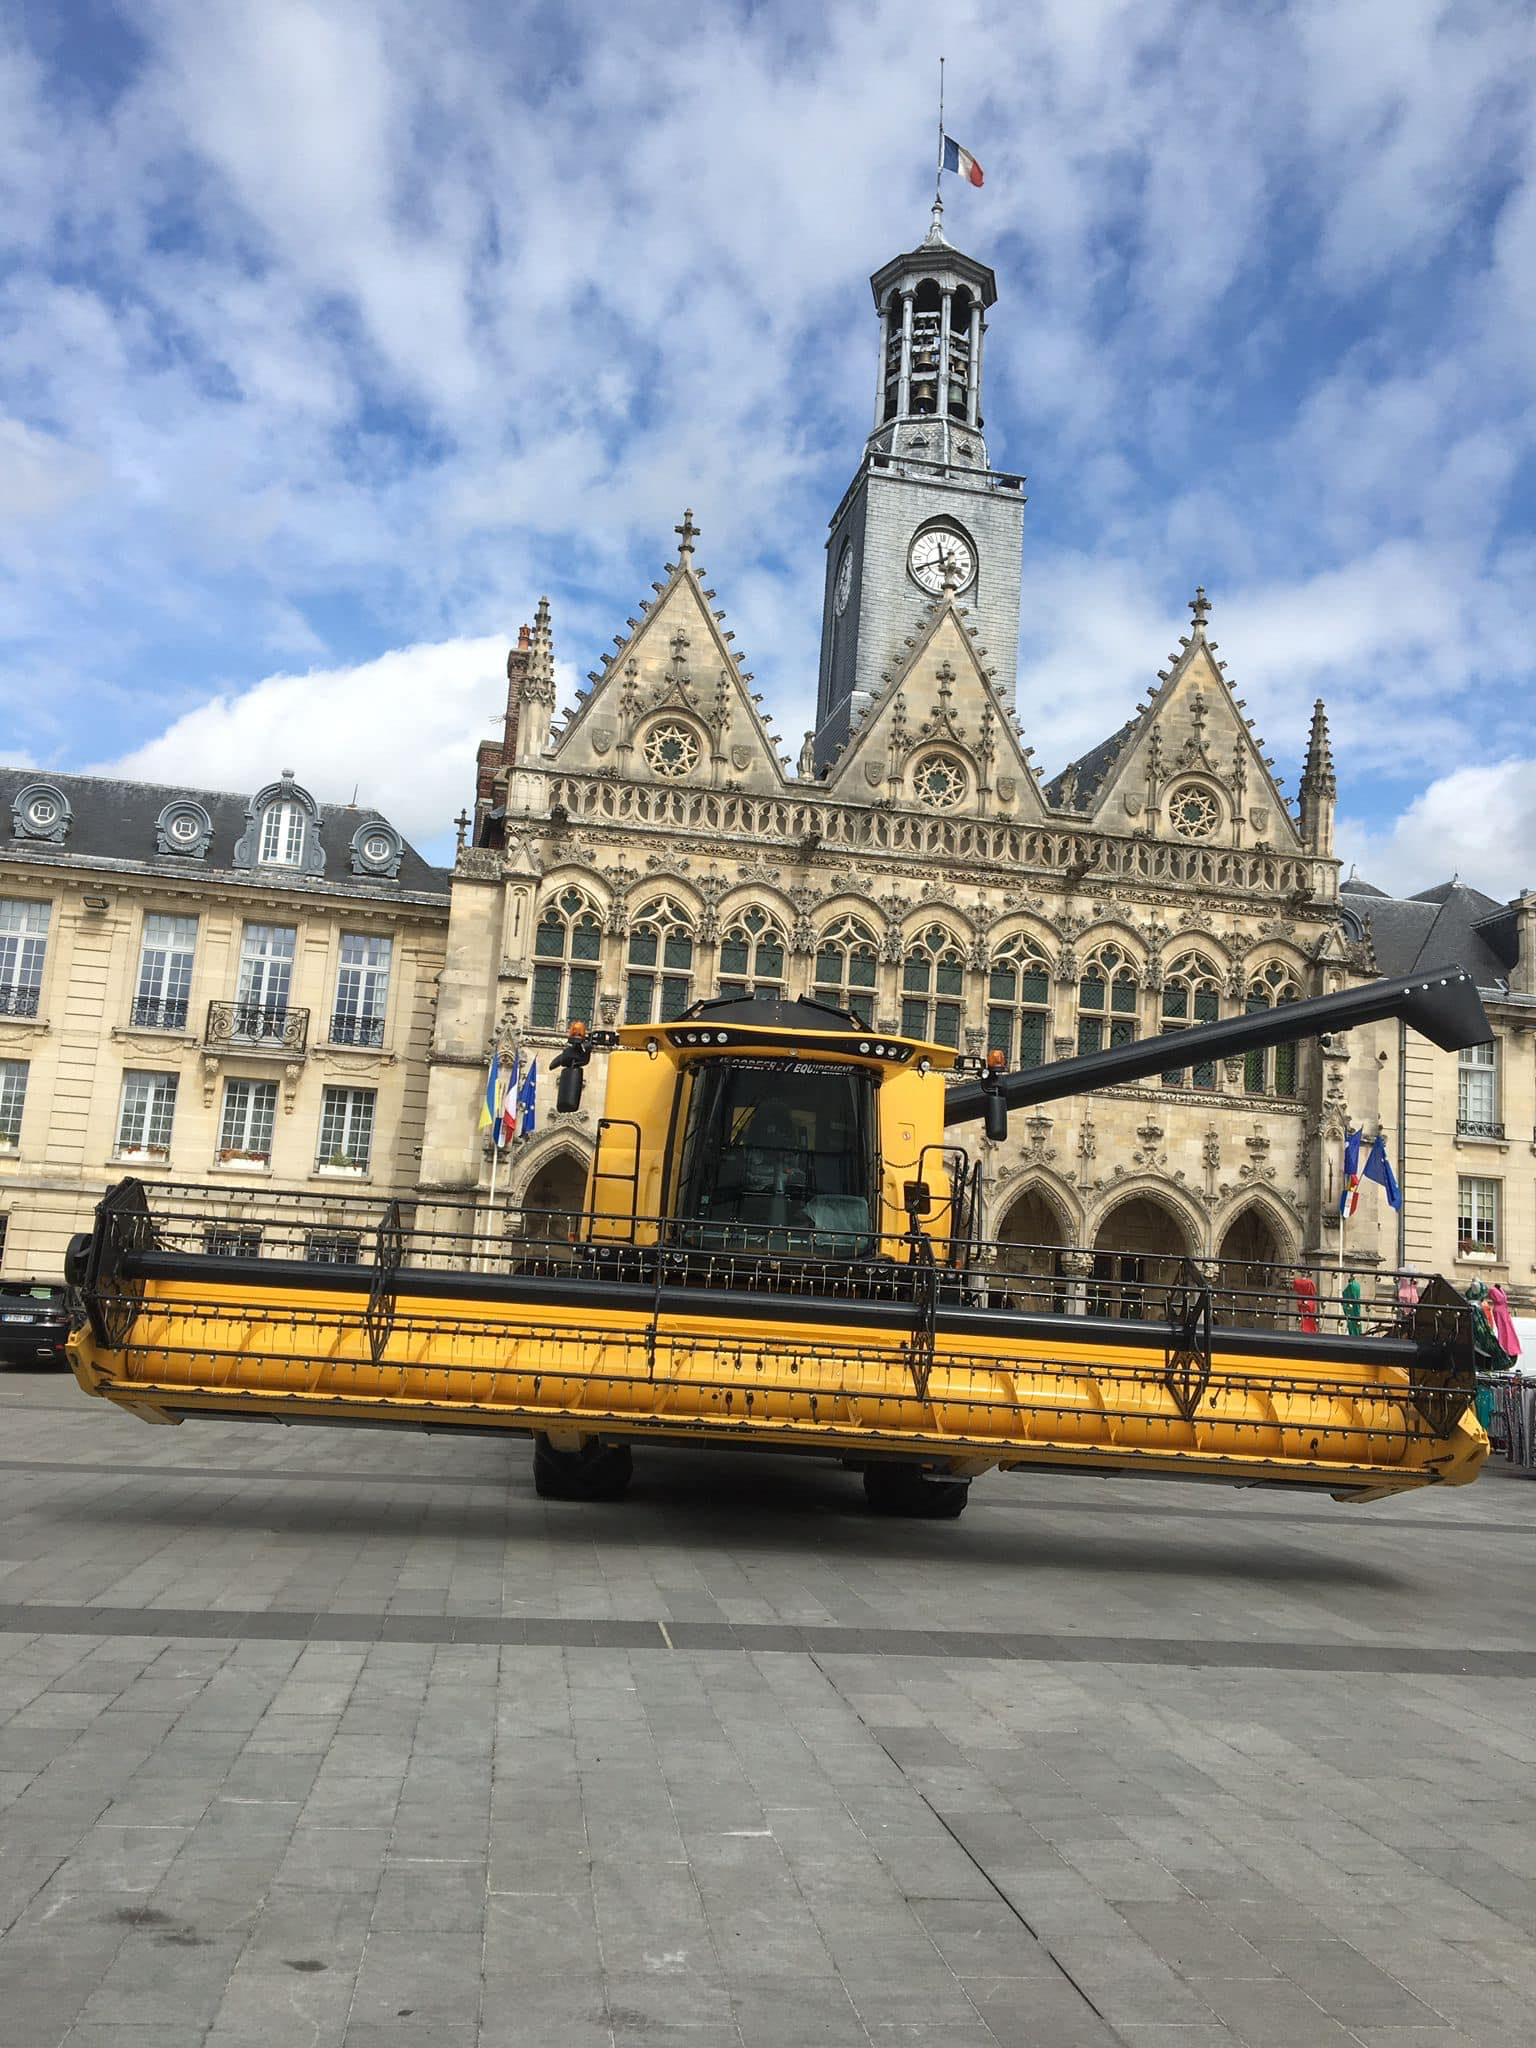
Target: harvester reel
{"points": [[1187, 1356], [389, 1252]]}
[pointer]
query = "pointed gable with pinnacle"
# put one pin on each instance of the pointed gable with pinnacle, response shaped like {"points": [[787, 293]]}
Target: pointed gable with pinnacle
{"points": [[939, 737], [673, 705], [1188, 766]]}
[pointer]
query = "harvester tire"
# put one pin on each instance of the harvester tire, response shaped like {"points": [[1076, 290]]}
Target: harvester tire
{"points": [[595, 1472], [904, 1490]]}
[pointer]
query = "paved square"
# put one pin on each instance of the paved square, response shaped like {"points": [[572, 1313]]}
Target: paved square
{"points": [[311, 1738]]}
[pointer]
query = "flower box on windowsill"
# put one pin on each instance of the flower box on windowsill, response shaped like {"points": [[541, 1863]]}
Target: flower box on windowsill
{"points": [[142, 1155], [340, 1167], [244, 1162], [1477, 1254]]}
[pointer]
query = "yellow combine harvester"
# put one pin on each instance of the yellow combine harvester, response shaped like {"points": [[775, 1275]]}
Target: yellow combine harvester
{"points": [[779, 1250]]}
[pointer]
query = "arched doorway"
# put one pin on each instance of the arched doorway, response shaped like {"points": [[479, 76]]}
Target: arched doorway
{"points": [[1136, 1254], [1252, 1268], [552, 1202], [1030, 1238]]}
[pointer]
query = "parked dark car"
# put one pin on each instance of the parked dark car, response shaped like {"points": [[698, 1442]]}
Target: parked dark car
{"points": [[34, 1322]]}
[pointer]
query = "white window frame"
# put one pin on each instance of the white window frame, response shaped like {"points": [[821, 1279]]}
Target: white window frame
{"points": [[266, 973], [247, 1108], [1477, 1091], [24, 922], [146, 1115], [362, 988], [282, 835], [167, 951], [13, 1102], [1479, 1219], [345, 1141]]}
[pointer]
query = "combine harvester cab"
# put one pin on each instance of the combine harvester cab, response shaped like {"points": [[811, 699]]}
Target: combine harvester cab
{"points": [[779, 1249]]}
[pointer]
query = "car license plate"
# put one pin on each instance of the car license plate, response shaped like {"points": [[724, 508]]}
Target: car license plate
{"points": [[18, 1319]]}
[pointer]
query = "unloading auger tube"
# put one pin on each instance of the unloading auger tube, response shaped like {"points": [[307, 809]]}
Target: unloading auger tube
{"points": [[777, 1251]]}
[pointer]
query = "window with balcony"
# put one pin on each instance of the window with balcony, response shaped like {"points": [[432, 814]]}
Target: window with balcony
{"points": [[362, 990], [245, 1126], [266, 981], [145, 1116], [569, 936], [13, 1100], [1477, 1092], [282, 836], [165, 973], [23, 946], [346, 1131], [1477, 1217]]}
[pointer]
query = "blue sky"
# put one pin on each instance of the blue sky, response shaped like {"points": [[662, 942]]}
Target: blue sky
{"points": [[333, 334]]}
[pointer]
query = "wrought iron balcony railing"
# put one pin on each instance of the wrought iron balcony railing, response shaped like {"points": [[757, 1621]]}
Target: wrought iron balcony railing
{"points": [[357, 1030], [1477, 1127], [257, 1027], [17, 1001], [160, 1013]]}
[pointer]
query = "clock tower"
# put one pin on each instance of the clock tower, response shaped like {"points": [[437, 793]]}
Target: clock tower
{"points": [[924, 507]]}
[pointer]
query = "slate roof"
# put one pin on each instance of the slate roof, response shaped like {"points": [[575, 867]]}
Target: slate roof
{"points": [[1091, 769], [1447, 926], [113, 826]]}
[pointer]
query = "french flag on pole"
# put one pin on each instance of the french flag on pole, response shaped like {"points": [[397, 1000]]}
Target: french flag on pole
{"points": [[961, 160]]}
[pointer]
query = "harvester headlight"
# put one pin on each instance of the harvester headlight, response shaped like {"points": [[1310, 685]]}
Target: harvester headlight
{"points": [[652, 1047]]}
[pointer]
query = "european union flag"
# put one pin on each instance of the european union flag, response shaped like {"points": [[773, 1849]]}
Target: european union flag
{"points": [[1378, 1169]]}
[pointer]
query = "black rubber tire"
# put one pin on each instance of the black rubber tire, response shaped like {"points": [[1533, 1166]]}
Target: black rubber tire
{"points": [[595, 1472], [904, 1490]]}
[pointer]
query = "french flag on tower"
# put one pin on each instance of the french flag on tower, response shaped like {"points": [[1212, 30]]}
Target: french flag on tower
{"points": [[961, 160]]}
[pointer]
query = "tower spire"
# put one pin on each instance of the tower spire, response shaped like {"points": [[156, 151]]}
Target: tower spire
{"points": [[1319, 786]]}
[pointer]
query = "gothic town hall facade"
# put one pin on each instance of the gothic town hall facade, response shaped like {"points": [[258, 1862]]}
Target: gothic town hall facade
{"points": [[650, 846]]}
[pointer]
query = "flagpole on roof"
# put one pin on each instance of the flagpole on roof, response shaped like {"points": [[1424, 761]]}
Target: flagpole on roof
{"points": [[938, 169]]}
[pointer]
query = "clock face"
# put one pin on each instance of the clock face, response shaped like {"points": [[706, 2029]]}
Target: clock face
{"points": [[844, 582], [938, 555]]}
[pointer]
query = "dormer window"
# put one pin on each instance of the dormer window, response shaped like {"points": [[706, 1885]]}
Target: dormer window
{"points": [[282, 836]]}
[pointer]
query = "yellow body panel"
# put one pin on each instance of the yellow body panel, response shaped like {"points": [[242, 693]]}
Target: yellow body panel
{"points": [[1013, 1400]]}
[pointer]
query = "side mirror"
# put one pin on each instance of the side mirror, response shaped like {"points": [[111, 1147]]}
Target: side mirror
{"points": [[994, 1102], [917, 1198], [568, 1089]]}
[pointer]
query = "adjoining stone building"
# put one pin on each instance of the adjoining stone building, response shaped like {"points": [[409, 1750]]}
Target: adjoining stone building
{"points": [[1461, 1127], [653, 846], [194, 986]]}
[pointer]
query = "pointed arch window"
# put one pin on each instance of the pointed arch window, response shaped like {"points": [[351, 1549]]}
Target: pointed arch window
{"points": [[1191, 995], [752, 955], [567, 946], [1018, 1002], [848, 968], [933, 987], [1272, 1072], [1108, 998], [659, 985]]}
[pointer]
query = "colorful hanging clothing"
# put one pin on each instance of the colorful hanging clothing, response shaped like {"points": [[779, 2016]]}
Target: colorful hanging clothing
{"points": [[1304, 1287], [1491, 1355], [1503, 1322], [1349, 1296]]}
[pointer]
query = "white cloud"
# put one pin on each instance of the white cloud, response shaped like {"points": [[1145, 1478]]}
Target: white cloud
{"points": [[401, 731], [1478, 822]]}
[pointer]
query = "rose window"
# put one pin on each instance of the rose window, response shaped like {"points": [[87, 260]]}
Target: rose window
{"points": [[671, 750], [941, 782], [1195, 813]]}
